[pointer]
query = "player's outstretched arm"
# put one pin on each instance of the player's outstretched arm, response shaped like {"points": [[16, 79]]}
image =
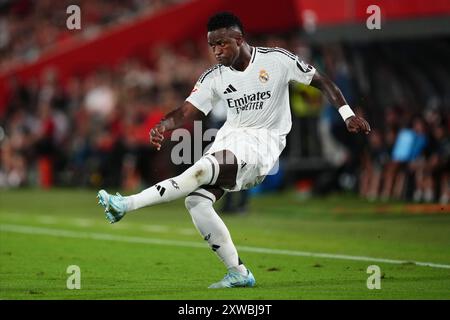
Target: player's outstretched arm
{"points": [[173, 120], [354, 123]]}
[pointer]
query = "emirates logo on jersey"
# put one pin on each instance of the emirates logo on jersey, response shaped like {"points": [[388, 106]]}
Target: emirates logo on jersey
{"points": [[263, 76], [254, 101]]}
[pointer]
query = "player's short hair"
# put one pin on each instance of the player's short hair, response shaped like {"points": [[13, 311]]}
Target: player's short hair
{"points": [[224, 20]]}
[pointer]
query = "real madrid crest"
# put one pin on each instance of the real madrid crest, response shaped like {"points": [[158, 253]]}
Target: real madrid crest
{"points": [[263, 76]]}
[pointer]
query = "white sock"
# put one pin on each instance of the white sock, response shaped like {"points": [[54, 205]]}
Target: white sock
{"points": [[204, 171], [211, 227]]}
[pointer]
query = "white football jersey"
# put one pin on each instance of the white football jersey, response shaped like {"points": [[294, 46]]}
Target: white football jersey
{"points": [[257, 97]]}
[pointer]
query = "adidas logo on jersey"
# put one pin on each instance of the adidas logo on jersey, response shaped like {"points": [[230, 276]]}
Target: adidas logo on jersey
{"points": [[229, 89]]}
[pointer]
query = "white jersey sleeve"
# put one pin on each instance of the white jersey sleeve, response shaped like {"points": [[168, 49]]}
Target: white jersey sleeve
{"points": [[301, 72], [204, 96], [297, 69]]}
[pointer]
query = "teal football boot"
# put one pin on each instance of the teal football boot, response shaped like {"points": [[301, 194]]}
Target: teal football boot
{"points": [[115, 206], [234, 279]]}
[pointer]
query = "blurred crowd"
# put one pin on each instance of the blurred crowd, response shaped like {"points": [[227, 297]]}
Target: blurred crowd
{"points": [[409, 157], [29, 28], [93, 131], [403, 91]]}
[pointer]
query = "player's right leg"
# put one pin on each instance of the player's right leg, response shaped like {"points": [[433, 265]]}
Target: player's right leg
{"points": [[219, 168], [204, 172]]}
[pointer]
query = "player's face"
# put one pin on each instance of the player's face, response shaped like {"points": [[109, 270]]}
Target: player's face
{"points": [[226, 45]]}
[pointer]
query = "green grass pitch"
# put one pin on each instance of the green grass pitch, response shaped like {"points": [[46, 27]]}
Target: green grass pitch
{"points": [[156, 252]]}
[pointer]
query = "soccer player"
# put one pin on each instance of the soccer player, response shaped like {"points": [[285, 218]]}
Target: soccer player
{"points": [[253, 83]]}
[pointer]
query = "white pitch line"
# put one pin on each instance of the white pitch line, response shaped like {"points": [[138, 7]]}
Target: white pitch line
{"points": [[110, 237], [83, 222], [155, 228], [93, 235], [47, 220], [187, 231]]}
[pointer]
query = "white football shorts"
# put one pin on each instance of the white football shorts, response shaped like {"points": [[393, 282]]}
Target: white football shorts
{"points": [[256, 150]]}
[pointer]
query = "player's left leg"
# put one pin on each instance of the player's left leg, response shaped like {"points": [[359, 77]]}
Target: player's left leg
{"points": [[200, 205]]}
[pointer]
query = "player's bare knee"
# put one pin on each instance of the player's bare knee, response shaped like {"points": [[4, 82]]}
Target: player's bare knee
{"points": [[216, 192], [228, 168], [225, 157]]}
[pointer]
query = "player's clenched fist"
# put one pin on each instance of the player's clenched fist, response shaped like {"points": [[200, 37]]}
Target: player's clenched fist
{"points": [[357, 124], [157, 135]]}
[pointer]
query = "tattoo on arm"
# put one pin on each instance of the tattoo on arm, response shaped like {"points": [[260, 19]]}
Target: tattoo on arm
{"points": [[173, 119]]}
